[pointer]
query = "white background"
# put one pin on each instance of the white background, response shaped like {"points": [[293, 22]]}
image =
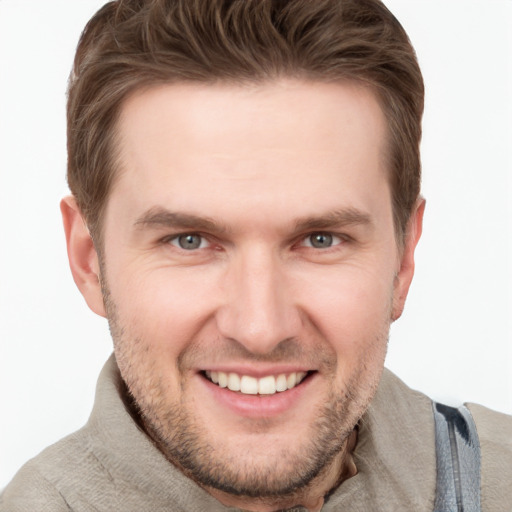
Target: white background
{"points": [[454, 341]]}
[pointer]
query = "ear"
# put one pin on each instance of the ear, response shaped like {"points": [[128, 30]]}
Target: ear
{"points": [[82, 255], [406, 271]]}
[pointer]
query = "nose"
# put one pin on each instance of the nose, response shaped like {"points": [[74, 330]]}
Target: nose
{"points": [[259, 311]]}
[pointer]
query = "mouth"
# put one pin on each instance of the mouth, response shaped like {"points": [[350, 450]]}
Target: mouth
{"points": [[248, 385]]}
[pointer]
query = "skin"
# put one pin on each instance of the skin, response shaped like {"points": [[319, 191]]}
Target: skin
{"points": [[254, 171]]}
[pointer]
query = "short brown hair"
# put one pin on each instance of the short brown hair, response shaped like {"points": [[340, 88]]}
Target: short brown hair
{"points": [[132, 44]]}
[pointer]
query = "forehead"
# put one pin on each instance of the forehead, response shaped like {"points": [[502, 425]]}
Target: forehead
{"points": [[283, 146]]}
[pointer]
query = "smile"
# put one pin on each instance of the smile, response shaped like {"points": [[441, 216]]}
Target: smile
{"points": [[248, 385]]}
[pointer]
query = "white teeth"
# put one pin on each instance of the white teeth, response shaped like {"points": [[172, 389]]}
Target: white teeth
{"points": [[233, 382], [267, 385], [281, 383], [223, 380], [252, 386], [249, 385]]}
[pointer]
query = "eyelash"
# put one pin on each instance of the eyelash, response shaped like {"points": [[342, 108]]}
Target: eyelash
{"points": [[337, 240], [175, 238]]}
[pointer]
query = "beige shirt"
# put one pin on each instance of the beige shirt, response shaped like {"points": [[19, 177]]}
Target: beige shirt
{"points": [[111, 465]]}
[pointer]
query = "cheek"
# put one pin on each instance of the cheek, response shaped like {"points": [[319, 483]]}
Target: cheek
{"points": [[351, 308], [163, 308]]}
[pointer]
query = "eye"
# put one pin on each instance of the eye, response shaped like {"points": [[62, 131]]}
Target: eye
{"points": [[322, 240], [189, 241]]}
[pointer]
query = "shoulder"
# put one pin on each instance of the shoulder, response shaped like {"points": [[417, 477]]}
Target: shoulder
{"points": [[44, 482], [30, 490], [495, 436]]}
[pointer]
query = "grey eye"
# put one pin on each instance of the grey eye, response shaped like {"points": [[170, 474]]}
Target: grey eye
{"points": [[189, 242], [321, 240]]}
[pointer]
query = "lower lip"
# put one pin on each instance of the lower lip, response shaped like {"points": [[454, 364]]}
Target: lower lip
{"points": [[259, 406]]}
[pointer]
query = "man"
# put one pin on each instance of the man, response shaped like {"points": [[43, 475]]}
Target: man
{"points": [[245, 210]]}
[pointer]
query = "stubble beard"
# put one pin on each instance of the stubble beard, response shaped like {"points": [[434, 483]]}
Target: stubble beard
{"points": [[188, 444]]}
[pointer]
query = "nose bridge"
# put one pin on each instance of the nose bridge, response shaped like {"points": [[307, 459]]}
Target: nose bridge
{"points": [[259, 312]]}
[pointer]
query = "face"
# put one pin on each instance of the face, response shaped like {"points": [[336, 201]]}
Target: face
{"points": [[250, 273]]}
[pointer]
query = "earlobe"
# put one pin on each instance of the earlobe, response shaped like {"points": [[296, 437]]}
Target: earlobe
{"points": [[406, 272], [82, 255]]}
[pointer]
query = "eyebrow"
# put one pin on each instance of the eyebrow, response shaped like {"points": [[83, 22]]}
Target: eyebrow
{"points": [[161, 217], [334, 219]]}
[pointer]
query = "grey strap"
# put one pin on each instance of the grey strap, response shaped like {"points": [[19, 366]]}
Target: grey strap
{"points": [[458, 460]]}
